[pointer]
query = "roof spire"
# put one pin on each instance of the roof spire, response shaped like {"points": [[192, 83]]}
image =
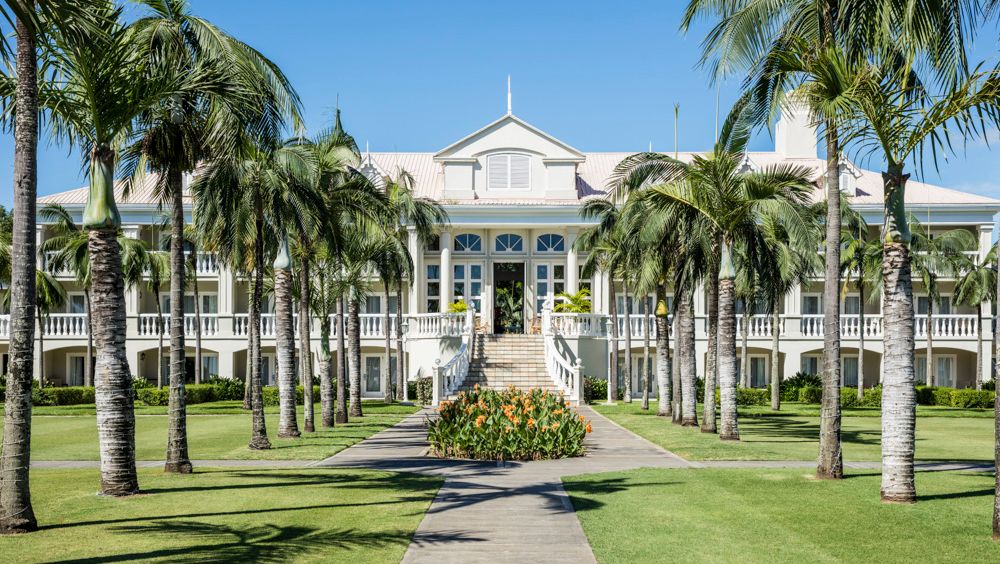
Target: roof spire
{"points": [[508, 96], [338, 127]]}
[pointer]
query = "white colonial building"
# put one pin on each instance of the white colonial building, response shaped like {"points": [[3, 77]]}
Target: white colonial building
{"points": [[513, 193]]}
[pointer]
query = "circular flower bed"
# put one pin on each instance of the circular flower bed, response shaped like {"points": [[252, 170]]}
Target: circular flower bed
{"points": [[512, 424]]}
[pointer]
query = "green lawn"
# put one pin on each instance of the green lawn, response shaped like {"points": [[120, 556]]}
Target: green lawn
{"points": [[225, 515], [210, 437], [781, 516], [768, 436]]}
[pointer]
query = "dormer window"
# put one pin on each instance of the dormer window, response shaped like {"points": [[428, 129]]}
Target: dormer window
{"points": [[509, 171]]}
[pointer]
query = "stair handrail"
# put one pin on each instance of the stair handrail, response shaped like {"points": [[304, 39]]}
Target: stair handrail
{"points": [[566, 375], [449, 377]]}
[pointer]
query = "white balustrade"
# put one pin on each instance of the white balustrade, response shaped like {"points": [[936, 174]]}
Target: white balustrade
{"points": [[209, 324], [205, 264], [448, 377], [851, 326], [65, 325], [811, 325], [947, 326], [566, 375], [759, 326], [241, 325]]}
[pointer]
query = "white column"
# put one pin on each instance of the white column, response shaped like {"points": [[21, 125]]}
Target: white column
{"points": [[39, 238], [572, 266], [417, 252], [793, 311], [226, 305], [447, 292]]}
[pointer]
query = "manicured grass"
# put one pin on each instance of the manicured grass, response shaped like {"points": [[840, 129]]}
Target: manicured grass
{"points": [[225, 516], [210, 437], [211, 408], [793, 437], [781, 516]]}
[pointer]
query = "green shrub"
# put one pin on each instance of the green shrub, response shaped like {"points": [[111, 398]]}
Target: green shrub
{"points": [[153, 396], [811, 394], [270, 394], [849, 397], [972, 398], [200, 393], [3, 393], [990, 385], [71, 395], [227, 389], [925, 395], [872, 397], [422, 391], [510, 424], [789, 390], [942, 396], [752, 396], [595, 389]]}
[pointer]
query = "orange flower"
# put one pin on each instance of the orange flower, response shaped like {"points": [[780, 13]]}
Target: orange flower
{"points": [[589, 429], [557, 412], [555, 425], [581, 417], [545, 428], [480, 419], [476, 387], [516, 421], [531, 422], [468, 410]]}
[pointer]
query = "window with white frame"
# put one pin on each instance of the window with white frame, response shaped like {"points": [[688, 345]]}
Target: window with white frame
{"points": [[849, 371], [508, 171], [209, 303], [852, 305], [758, 370], [941, 306], [943, 366], [76, 303], [373, 305], [812, 304], [509, 243], [433, 288], [468, 283], [550, 280], [583, 282], [810, 364], [636, 303], [550, 243], [76, 364], [468, 243]]}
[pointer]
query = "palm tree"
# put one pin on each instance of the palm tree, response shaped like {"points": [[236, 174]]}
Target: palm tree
{"points": [[239, 200], [394, 264], [424, 216], [800, 45], [49, 296], [861, 260], [284, 332], [933, 257], [325, 293], [897, 117], [158, 270], [976, 286]]}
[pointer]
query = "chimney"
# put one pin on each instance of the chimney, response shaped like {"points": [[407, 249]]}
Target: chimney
{"points": [[795, 135]]}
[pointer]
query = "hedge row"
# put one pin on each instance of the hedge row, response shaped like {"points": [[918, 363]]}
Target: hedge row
{"points": [[951, 397], [204, 393]]}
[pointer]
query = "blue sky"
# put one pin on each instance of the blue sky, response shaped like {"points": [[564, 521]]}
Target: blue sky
{"points": [[415, 76]]}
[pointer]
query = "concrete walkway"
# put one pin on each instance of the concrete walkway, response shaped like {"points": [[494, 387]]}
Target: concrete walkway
{"points": [[509, 511]]}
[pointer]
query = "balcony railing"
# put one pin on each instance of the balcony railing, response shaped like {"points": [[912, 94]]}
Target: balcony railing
{"points": [[945, 326], [149, 327], [205, 264], [850, 325], [759, 326]]}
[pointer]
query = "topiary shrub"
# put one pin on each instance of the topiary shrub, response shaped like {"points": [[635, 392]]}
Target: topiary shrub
{"points": [[512, 424], [595, 389], [811, 394]]}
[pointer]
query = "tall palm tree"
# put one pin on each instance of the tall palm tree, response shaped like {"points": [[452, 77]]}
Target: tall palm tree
{"points": [[247, 91], [758, 36], [861, 260], [158, 271], [394, 264], [326, 290], [241, 201], [901, 120], [934, 257], [977, 286]]}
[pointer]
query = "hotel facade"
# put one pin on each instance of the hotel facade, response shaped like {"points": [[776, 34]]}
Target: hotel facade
{"points": [[513, 194]]}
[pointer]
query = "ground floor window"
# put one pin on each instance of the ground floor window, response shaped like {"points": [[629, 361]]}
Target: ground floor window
{"points": [[371, 378], [433, 288], [849, 371], [810, 365], [76, 367], [758, 370], [638, 366], [209, 367], [468, 283], [943, 366]]}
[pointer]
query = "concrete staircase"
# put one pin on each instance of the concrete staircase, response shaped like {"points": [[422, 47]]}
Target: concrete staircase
{"points": [[502, 360]]}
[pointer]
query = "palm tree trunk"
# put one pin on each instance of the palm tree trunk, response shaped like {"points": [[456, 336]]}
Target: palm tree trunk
{"points": [[248, 377], [627, 392], [198, 361], [775, 359], [258, 437], [16, 513], [613, 311], [996, 413], [325, 371], [113, 394], [898, 393], [831, 460], [387, 378], [708, 424], [663, 364], [177, 444], [401, 363], [729, 425], [678, 388], [861, 341], [744, 348], [929, 359], [689, 368], [41, 349], [354, 355], [644, 374], [288, 426], [305, 348], [341, 413], [979, 350], [88, 368]]}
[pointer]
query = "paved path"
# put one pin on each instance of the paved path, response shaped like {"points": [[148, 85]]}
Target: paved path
{"points": [[511, 511]]}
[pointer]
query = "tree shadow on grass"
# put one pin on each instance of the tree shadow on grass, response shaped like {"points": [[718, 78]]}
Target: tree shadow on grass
{"points": [[802, 431], [261, 543], [349, 480], [581, 494]]}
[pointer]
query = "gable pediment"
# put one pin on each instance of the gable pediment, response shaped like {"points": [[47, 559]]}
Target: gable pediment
{"points": [[509, 133]]}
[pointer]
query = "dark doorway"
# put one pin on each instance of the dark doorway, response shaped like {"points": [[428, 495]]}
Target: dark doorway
{"points": [[508, 297]]}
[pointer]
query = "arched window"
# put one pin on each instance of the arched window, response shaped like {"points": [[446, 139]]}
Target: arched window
{"points": [[509, 243], [469, 243], [550, 243]]}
